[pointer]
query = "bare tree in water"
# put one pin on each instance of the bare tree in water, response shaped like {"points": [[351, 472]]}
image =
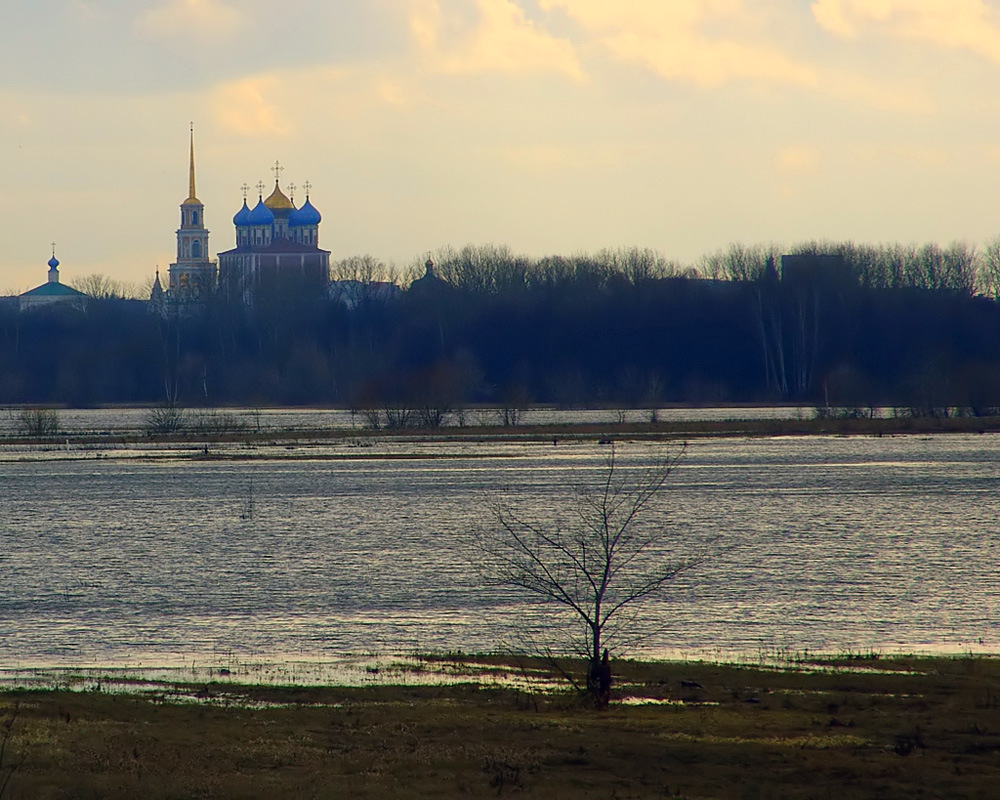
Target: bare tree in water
{"points": [[598, 562]]}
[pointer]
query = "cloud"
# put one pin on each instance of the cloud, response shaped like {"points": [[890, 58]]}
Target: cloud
{"points": [[85, 9], [284, 103], [796, 168], [863, 91], [560, 158], [15, 111], [248, 107], [392, 92], [926, 157], [204, 20], [704, 42], [712, 43], [798, 160], [504, 40], [951, 24]]}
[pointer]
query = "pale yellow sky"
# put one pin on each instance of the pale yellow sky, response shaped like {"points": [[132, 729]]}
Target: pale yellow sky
{"points": [[551, 126]]}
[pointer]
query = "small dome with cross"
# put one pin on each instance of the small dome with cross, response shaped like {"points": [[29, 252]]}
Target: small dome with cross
{"points": [[261, 215], [242, 217], [307, 215]]}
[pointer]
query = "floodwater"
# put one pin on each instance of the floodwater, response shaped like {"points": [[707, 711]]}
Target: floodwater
{"points": [[143, 556]]}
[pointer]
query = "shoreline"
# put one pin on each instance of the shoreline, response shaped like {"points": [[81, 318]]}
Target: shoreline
{"points": [[389, 670], [484, 434], [888, 727]]}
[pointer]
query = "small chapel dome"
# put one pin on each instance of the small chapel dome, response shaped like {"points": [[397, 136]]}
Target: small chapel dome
{"points": [[242, 216], [53, 263], [307, 215], [261, 215]]}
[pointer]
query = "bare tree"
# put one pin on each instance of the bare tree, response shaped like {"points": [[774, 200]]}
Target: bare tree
{"points": [[363, 269], [165, 419], [513, 406], [740, 263], [638, 265], [105, 288], [989, 270], [35, 421], [397, 416], [599, 562]]}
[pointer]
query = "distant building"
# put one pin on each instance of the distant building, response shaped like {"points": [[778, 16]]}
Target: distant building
{"points": [[430, 282], [52, 292]]}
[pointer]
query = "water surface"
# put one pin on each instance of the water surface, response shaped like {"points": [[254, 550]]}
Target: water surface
{"points": [[156, 557]]}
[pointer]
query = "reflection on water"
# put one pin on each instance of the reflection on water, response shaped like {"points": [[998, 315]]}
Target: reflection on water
{"points": [[842, 544]]}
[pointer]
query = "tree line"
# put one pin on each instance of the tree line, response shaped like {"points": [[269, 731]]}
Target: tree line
{"points": [[850, 325]]}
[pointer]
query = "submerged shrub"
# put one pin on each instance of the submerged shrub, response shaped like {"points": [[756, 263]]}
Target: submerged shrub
{"points": [[165, 419], [38, 421]]}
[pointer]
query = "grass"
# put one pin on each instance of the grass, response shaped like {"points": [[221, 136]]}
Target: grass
{"points": [[887, 727]]}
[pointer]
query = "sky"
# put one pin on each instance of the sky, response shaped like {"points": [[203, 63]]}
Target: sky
{"points": [[549, 126]]}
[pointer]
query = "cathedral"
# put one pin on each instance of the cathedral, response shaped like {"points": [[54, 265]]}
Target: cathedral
{"points": [[277, 248]]}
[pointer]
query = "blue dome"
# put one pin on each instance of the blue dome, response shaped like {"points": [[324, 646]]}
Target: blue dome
{"points": [[242, 216], [53, 262], [261, 215], [307, 215]]}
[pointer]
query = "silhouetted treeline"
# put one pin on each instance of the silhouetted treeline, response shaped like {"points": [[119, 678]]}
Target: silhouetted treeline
{"points": [[842, 324]]}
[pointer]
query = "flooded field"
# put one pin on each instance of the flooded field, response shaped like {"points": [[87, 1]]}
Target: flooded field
{"points": [[160, 556]]}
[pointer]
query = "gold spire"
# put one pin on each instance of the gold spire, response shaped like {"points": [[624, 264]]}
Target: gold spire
{"points": [[192, 197]]}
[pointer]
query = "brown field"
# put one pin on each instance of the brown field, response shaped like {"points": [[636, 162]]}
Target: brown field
{"points": [[851, 728]]}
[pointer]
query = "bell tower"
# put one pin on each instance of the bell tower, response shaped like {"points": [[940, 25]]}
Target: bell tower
{"points": [[193, 274]]}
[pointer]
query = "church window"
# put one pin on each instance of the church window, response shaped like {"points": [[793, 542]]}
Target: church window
{"points": [[196, 248], [194, 217]]}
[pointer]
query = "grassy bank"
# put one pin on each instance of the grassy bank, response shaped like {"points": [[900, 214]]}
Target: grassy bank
{"points": [[848, 728]]}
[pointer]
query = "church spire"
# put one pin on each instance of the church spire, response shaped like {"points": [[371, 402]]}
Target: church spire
{"points": [[193, 273], [192, 197]]}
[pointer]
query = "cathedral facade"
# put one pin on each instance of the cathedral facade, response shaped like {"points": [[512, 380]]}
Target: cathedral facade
{"points": [[277, 247]]}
